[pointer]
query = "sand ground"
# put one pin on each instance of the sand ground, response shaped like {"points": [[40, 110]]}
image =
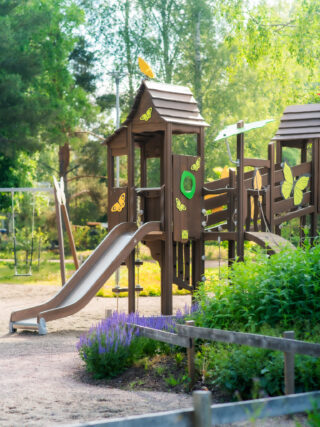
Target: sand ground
{"points": [[40, 383]]}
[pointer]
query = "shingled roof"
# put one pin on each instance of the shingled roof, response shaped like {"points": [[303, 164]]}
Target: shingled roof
{"points": [[299, 122], [174, 104], [171, 103]]}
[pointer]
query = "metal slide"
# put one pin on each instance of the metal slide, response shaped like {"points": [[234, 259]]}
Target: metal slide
{"points": [[87, 280]]}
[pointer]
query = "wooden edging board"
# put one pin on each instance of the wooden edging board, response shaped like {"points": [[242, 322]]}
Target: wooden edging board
{"points": [[223, 413], [163, 336]]}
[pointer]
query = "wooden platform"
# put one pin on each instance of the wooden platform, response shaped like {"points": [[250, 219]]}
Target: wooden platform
{"points": [[272, 242]]}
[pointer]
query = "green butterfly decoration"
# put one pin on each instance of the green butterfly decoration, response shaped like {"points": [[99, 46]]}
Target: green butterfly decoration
{"points": [[290, 184], [196, 165], [180, 206], [147, 115]]}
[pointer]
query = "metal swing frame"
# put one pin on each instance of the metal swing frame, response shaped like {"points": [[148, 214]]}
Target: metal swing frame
{"points": [[16, 190]]}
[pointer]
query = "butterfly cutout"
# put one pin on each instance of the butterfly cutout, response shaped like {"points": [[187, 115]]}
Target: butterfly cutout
{"points": [[290, 184], [180, 206], [196, 166], [224, 174], [184, 234], [147, 115], [120, 204], [257, 185], [145, 68]]}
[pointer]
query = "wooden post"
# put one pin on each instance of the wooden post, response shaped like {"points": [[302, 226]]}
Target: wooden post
{"points": [[167, 247], [131, 283], [303, 219], [131, 218], [231, 226], [314, 189], [190, 354], [70, 236], [240, 188], [289, 366], [202, 408], [60, 239], [271, 157]]}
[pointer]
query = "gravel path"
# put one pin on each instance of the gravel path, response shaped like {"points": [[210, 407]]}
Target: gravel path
{"points": [[40, 375]]}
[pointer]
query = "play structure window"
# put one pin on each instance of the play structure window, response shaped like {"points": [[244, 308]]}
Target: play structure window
{"points": [[123, 176], [291, 156], [137, 169], [153, 172], [185, 144]]}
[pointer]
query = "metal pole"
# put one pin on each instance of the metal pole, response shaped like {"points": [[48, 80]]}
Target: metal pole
{"points": [[117, 80]]}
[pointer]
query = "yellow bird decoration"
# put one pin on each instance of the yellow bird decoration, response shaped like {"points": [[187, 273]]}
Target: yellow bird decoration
{"points": [[145, 68]]}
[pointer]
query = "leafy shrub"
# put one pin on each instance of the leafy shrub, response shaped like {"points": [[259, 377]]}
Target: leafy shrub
{"points": [[113, 345], [279, 290], [86, 237], [265, 295], [245, 371]]}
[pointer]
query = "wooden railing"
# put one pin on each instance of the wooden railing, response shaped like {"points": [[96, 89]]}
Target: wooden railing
{"points": [[186, 334]]}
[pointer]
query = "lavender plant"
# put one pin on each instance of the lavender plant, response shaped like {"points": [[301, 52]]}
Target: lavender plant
{"points": [[113, 345]]}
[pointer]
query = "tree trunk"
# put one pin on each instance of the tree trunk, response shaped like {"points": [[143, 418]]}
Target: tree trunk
{"points": [[64, 161], [128, 50], [197, 59]]}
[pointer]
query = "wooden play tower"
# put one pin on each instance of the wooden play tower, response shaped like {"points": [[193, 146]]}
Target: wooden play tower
{"points": [[247, 205], [161, 111]]}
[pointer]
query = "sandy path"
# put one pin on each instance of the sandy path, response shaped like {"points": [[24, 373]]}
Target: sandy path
{"points": [[40, 375]]}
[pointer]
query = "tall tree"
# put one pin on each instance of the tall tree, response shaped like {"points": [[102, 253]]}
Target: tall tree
{"points": [[39, 96]]}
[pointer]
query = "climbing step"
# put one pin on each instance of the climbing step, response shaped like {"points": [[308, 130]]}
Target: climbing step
{"points": [[271, 241]]}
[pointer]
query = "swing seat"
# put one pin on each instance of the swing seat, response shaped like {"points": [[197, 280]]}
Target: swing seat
{"points": [[118, 290], [22, 274]]}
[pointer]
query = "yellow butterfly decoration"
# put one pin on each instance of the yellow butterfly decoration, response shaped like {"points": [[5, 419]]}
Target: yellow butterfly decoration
{"points": [[290, 184], [147, 115], [120, 204], [224, 174], [180, 206], [196, 166], [257, 185], [145, 68]]}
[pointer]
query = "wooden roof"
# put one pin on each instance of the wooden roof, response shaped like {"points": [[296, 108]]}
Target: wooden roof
{"points": [[299, 122], [171, 104]]}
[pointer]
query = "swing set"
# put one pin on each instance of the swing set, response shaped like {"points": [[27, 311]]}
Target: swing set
{"points": [[29, 254]]}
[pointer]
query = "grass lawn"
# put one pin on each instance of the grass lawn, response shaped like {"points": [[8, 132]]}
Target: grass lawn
{"points": [[49, 274]]}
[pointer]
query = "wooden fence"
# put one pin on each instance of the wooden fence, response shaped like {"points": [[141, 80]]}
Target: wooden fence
{"points": [[203, 414], [186, 334]]}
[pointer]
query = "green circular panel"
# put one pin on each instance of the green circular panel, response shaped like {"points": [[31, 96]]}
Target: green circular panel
{"points": [[186, 175]]}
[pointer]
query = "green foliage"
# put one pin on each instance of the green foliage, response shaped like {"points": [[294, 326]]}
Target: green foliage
{"points": [[248, 372], [279, 290], [87, 237], [114, 344], [264, 295], [314, 416]]}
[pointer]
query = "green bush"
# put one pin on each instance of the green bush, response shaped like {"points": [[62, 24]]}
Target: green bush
{"points": [[246, 372], [86, 237], [265, 295], [283, 289]]}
